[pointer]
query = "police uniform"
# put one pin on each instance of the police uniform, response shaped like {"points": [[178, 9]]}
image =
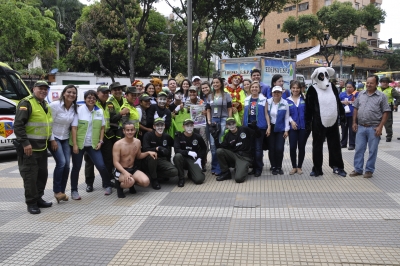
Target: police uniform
{"points": [[133, 116], [106, 147], [236, 151], [162, 166], [182, 160], [114, 108], [33, 126], [390, 94]]}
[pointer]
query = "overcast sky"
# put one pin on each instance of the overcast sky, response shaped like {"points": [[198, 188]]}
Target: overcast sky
{"points": [[388, 30]]}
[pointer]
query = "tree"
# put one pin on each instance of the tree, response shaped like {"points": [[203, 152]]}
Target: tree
{"points": [[362, 50], [337, 22], [393, 60], [24, 32]]}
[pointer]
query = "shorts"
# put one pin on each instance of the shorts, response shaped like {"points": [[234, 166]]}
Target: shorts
{"points": [[131, 170]]}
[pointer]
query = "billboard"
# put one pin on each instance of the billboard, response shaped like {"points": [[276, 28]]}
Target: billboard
{"points": [[243, 68], [271, 67]]}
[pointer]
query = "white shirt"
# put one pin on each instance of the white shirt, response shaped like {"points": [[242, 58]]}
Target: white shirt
{"points": [[86, 115], [273, 109], [62, 119]]}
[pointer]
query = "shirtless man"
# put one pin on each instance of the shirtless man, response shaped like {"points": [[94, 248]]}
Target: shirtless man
{"points": [[125, 151]]}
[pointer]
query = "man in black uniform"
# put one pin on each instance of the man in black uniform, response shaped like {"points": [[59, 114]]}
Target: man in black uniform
{"points": [[159, 110], [32, 127], [189, 149], [235, 150], [159, 142]]}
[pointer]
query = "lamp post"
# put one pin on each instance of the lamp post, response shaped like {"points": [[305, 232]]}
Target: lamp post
{"points": [[170, 53], [287, 40]]}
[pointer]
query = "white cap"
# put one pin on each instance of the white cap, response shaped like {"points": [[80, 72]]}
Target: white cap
{"points": [[195, 77], [277, 88]]}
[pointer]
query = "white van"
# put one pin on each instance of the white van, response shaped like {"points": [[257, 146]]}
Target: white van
{"points": [[7, 116], [55, 92]]}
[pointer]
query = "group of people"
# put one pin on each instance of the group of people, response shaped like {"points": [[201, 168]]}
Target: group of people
{"points": [[129, 135]]}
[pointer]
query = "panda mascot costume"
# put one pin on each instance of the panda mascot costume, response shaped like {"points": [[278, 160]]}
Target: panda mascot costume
{"points": [[323, 108]]}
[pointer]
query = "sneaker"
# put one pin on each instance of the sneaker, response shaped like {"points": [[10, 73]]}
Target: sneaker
{"points": [[75, 195], [351, 148], [368, 174], [293, 171], [280, 171], [275, 171], [340, 172], [108, 191], [354, 173]]}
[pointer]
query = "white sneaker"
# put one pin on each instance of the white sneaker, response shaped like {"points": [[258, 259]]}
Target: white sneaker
{"points": [[108, 191], [75, 195]]}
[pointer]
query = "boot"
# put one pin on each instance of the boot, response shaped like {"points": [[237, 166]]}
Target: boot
{"points": [[132, 190], [181, 182], [224, 176], [155, 184], [120, 191]]}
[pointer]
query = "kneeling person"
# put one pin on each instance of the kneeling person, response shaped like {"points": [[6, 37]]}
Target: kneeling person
{"points": [[235, 150], [125, 151], [189, 149], [161, 143]]}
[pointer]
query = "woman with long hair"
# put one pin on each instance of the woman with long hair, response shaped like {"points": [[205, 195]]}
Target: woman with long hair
{"points": [[254, 112], [297, 134], [63, 112], [347, 98], [219, 108], [277, 80], [246, 86], [150, 90], [185, 85]]}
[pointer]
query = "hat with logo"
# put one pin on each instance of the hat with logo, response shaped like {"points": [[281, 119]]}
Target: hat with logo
{"points": [[230, 120], [144, 97], [116, 85], [161, 94], [131, 89], [196, 77], [103, 88], [41, 83], [188, 121], [277, 88], [159, 121]]}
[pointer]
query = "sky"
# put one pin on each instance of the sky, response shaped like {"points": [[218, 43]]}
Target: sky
{"points": [[388, 30]]}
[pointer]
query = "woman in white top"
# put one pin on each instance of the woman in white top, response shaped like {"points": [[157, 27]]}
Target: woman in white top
{"points": [[63, 112]]}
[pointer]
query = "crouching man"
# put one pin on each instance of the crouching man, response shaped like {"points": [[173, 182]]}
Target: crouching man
{"points": [[161, 143], [125, 151], [189, 149], [235, 150]]}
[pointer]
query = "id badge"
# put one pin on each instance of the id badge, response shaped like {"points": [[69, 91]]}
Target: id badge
{"points": [[215, 110]]}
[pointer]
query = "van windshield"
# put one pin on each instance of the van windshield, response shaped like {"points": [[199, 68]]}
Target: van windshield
{"points": [[11, 86]]}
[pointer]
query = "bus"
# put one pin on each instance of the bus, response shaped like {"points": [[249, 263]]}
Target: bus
{"points": [[393, 75]]}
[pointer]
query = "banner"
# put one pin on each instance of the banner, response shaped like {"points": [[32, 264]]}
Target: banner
{"points": [[272, 66], [196, 113], [243, 68], [318, 62], [308, 53]]}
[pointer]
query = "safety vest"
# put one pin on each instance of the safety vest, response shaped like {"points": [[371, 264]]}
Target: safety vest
{"points": [[388, 93], [39, 125], [97, 120], [107, 133], [133, 115], [114, 101]]}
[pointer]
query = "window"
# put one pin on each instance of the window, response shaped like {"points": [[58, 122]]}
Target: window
{"points": [[303, 6], [357, 6], [278, 41], [363, 39], [7, 108], [291, 39], [370, 33], [11, 85], [328, 2], [305, 41], [355, 39], [278, 26], [289, 8]]}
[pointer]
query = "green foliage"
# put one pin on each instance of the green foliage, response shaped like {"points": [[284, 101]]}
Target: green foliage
{"points": [[61, 65], [339, 20], [393, 60], [24, 33], [362, 50]]}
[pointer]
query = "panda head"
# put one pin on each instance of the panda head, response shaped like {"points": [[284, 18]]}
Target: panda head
{"points": [[320, 77]]}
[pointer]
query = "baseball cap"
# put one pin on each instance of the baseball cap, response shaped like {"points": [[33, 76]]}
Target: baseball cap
{"points": [[230, 120], [195, 77], [116, 85], [188, 121], [159, 121], [131, 89], [193, 88], [144, 97], [103, 88], [161, 93], [277, 88], [40, 83]]}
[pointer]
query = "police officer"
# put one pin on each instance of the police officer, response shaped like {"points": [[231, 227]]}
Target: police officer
{"points": [[189, 149], [391, 94], [103, 92], [132, 114], [159, 110], [236, 149], [142, 108], [33, 127], [114, 104], [160, 142]]}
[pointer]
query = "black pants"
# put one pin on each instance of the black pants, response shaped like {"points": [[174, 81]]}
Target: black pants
{"points": [[348, 133], [276, 147], [33, 170], [106, 152], [159, 168]]}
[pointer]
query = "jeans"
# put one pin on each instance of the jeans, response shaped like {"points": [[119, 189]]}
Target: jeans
{"points": [[97, 159], [366, 136], [258, 152], [276, 146], [297, 139], [347, 132], [214, 160], [61, 171]]}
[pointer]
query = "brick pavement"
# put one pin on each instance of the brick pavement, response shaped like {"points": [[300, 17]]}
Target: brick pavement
{"points": [[270, 220]]}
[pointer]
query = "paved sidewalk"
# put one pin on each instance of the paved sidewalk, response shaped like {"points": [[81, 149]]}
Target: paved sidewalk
{"points": [[269, 220]]}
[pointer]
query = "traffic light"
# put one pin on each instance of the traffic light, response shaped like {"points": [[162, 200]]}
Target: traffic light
{"points": [[352, 67], [390, 43]]}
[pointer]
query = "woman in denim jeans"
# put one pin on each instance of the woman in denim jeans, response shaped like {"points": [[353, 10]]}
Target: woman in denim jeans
{"points": [[219, 108], [63, 112]]}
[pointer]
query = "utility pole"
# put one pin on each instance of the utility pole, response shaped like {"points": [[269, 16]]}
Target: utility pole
{"points": [[341, 62], [189, 40]]}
